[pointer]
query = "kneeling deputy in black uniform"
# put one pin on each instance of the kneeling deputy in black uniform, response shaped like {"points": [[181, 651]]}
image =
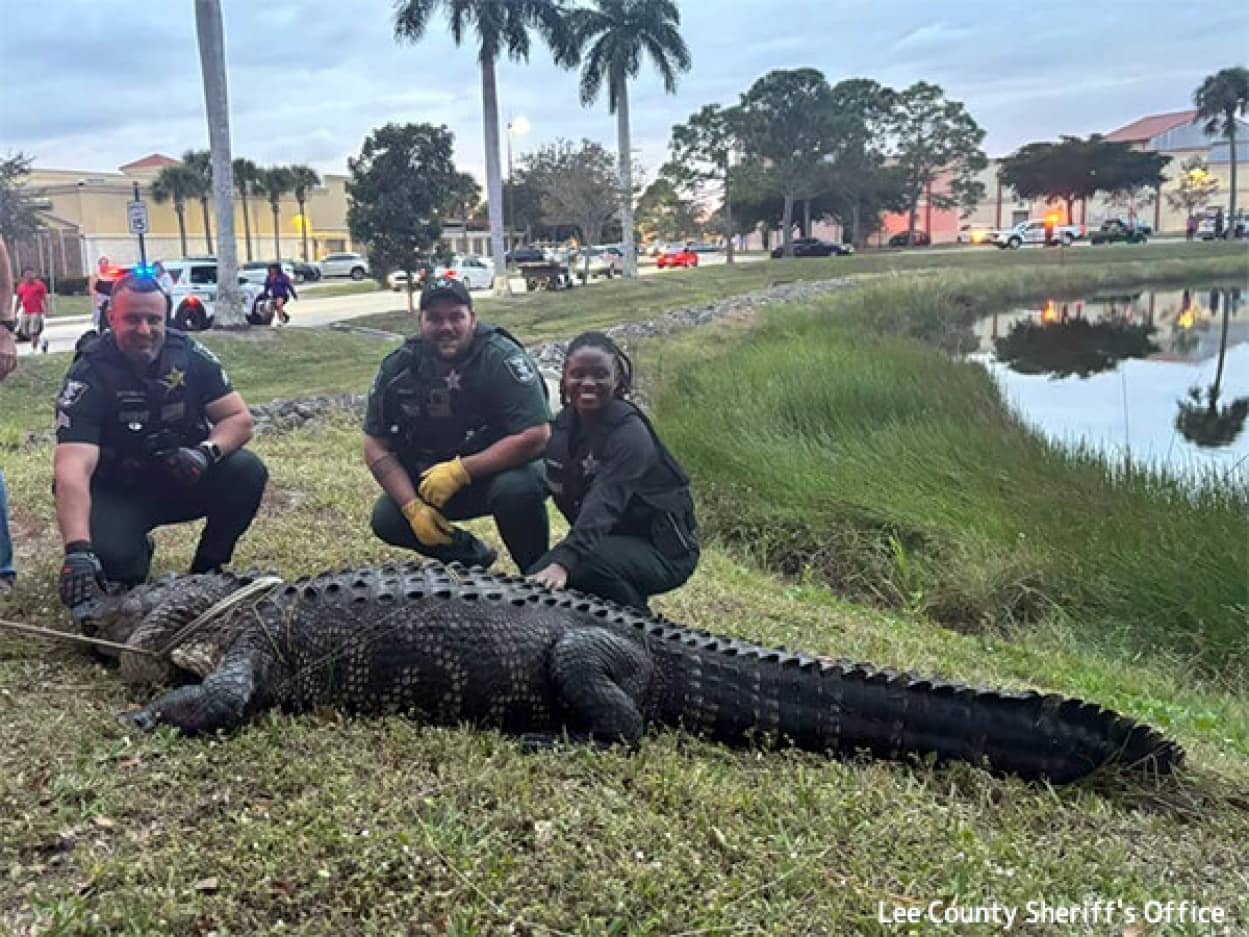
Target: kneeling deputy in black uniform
{"points": [[628, 501], [149, 432]]}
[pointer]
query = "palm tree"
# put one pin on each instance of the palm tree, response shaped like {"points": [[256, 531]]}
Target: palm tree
{"points": [[1205, 423], [617, 32], [303, 178], [502, 26], [1219, 99], [273, 182], [176, 184], [210, 37], [245, 172], [199, 163]]}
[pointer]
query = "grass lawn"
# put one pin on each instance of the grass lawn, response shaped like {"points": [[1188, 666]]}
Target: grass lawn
{"points": [[326, 824]]}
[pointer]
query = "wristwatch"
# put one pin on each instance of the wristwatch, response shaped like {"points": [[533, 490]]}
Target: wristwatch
{"points": [[213, 451]]}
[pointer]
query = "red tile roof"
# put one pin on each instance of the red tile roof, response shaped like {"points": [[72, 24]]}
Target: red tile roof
{"points": [[1149, 127], [155, 161]]}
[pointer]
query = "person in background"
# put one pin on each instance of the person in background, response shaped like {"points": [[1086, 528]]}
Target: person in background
{"points": [[32, 298], [99, 285], [633, 533], [8, 361], [281, 290]]}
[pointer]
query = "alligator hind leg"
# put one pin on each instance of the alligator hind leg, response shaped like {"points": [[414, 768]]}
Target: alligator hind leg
{"points": [[599, 679], [221, 701]]}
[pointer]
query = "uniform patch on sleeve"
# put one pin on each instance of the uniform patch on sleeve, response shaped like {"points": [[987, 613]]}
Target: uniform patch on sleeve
{"points": [[62, 420], [521, 369], [71, 393], [206, 353]]}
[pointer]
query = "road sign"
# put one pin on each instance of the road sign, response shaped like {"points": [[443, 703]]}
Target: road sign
{"points": [[137, 213]]}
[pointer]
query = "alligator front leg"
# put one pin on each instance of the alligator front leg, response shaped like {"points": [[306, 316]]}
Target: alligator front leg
{"points": [[221, 701], [599, 679]]}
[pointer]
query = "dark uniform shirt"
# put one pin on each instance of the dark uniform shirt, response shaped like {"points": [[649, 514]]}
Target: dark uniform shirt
{"points": [[614, 476], [432, 410], [107, 402]]}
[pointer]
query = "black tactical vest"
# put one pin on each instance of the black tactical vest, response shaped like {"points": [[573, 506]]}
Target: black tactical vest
{"points": [[147, 415], [661, 509], [426, 420]]}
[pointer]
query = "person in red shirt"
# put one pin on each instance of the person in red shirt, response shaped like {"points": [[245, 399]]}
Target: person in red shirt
{"points": [[32, 297]]}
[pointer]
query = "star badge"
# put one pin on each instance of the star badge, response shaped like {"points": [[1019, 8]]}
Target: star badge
{"points": [[175, 378], [589, 465], [453, 380]]}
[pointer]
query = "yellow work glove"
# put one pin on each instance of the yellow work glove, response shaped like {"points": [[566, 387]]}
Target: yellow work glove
{"points": [[430, 527], [440, 482]]}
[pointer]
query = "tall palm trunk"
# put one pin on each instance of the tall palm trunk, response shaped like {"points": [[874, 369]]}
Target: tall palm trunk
{"points": [[494, 177], [277, 243], [1231, 146], [229, 303], [247, 225], [626, 177], [303, 227], [180, 210], [208, 229]]}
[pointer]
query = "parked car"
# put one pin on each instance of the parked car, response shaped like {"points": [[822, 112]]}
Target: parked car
{"points": [[194, 294], [1117, 231], [1033, 232], [306, 271], [474, 272], [814, 247], [977, 234], [680, 257], [255, 271], [917, 239], [355, 266], [526, 255], [703, 247], [593, 262]]}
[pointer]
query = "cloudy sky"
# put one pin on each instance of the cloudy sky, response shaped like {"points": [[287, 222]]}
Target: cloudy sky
{"points": [[92, 84]]}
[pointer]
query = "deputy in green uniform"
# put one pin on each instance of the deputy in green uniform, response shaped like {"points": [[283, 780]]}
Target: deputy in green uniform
{"points": [[456, 421], [149, 432]]}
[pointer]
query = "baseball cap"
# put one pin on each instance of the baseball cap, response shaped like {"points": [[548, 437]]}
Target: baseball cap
{"points": [[445, 287]]}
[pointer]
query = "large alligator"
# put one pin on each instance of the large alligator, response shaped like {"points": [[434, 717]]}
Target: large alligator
{"points": [[449, 645]]}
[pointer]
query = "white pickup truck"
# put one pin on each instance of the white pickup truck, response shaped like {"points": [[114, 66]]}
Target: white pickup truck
{"points": [[1033, 232]]}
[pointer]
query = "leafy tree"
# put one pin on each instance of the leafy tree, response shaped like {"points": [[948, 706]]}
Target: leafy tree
{"points": [[578, 183], [1197, 186], [273, 182], [663, 213], [1073, 169], [525, 200], [303, 180], [502, 27], [702, 149], [176, 184], [614, 35], [199, 162], [211, 40], [17, 213], [933, 136], [863, 185], [787, 128], [246, 175], [1219, 98], [402, 185]]}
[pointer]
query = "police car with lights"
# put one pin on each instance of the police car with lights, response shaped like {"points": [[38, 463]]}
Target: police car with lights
{"points": [[194, 294]]}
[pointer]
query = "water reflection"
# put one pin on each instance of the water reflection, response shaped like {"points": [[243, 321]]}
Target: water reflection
{"points": [[1160, 375]]}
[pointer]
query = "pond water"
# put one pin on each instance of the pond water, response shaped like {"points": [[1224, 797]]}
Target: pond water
{"points": [[1160, 375]]}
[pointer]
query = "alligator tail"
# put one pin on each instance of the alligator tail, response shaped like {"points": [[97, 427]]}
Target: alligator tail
{"points": [[738, 692]]}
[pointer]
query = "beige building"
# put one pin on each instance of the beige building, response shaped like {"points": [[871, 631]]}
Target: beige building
{"points": [[85, 218]]}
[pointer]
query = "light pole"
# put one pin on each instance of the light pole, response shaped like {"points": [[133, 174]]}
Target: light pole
{"points": [[519, 125]]}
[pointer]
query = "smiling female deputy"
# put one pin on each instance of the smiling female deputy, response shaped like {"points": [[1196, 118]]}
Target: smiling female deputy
{"points": [[633, 531]]}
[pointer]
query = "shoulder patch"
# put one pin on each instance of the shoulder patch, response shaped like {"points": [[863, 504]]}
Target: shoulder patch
{"points": [[71, 392], [200, 349], [521, 369]]}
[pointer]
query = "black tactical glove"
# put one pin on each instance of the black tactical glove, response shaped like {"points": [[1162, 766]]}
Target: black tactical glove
{"points": [[187, 465], [82, 576]]}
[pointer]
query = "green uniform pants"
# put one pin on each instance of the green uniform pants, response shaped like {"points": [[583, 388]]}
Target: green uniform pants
{"points": [[515, 498], [627, 570], [121, 516]]}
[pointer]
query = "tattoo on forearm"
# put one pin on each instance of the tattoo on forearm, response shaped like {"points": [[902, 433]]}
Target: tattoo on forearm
{"points": [[383, 466]]}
